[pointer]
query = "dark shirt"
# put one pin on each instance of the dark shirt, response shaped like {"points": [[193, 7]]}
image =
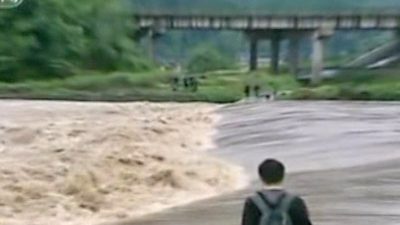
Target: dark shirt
{"points": [[297, 211]]}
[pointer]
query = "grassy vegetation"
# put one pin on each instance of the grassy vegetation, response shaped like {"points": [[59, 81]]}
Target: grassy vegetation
{"points": [[151, 86], [218, 87], [383, 85]]}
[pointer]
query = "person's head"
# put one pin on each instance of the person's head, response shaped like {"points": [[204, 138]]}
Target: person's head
{"points": [[271, 172]]}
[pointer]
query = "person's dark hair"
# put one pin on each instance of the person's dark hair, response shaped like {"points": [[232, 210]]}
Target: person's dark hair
{"points": [[271, 171]]}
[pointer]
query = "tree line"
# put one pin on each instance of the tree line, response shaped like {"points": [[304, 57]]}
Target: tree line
{"points": [[57, 38]]}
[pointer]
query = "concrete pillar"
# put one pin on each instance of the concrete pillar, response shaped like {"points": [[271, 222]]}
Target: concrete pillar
{"points": [[151, 45], [319, 38], [294, 54], [317, 58], [153, 36], [253, 54], [275, 53]]}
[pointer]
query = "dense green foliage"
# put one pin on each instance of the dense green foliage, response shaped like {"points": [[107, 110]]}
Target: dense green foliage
{"points": [[56, 38]]}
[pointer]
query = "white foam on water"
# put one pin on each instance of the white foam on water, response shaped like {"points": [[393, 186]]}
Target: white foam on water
{"points": [[85, 163]]}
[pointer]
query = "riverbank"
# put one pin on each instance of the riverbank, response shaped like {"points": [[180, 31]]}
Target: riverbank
{"points": [[88, 163], [215, 87], [368, 85]]}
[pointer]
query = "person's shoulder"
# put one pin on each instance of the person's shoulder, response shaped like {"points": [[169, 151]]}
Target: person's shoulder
{"points": [[296, 201], [249, 198], [295, 198], [273, 194], [249, 201], [292, 195]]}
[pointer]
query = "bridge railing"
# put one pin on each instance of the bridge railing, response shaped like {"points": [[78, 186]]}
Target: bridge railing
{"points": [[261, 12], [270, 21]]}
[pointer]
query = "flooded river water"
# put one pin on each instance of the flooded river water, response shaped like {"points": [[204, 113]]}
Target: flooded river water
{"points": [[343, 158]]}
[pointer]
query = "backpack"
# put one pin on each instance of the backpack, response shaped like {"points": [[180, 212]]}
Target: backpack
{"points": [[274, 214]]}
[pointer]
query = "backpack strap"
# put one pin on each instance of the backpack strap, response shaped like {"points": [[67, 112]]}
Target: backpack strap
{"points": [[286, 202], [261, 204]]}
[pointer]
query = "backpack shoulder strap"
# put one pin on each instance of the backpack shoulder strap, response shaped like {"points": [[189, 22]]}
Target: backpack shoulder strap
{"points": [[286, 202], [261, 204]]}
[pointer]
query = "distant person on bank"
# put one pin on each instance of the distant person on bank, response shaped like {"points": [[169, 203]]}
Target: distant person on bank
{"points": [[273, 205]]}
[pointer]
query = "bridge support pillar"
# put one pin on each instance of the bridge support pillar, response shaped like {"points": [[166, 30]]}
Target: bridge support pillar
{"points": [[151, 45], [319, 38], [317, 59], [253, 54], [153, 36], [275, 53], [294, 54]]}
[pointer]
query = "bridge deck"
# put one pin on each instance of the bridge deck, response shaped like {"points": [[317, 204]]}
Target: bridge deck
{"points": [[269, 21]]}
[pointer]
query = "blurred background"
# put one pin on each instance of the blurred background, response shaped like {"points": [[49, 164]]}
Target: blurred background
{"points": [[60, 39]]}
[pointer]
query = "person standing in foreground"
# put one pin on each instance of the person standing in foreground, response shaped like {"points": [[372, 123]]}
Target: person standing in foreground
{"points": [[273, 205]]}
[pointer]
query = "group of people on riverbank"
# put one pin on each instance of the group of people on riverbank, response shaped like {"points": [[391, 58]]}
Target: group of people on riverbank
{"points": [[190, 83]]}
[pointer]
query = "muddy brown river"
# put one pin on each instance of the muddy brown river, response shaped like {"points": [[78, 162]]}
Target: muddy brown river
{"points": [[343, 158]]}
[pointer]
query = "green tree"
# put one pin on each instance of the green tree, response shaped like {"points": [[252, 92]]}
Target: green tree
{"points": [[55, 38]]}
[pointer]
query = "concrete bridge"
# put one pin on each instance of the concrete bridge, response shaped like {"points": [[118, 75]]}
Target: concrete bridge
{"points": [[274, 27]]}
